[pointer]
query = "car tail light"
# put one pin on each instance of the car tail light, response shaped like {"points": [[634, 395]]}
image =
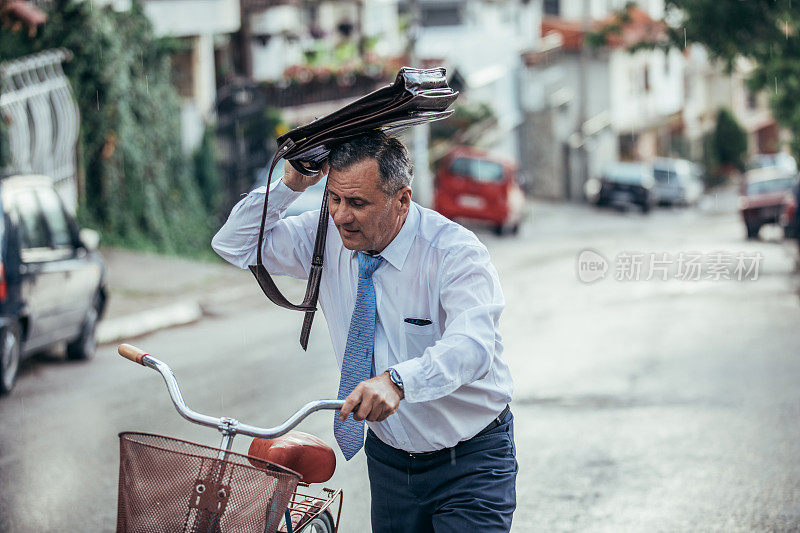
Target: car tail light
{"points": [[3, 283], [789, 210]]}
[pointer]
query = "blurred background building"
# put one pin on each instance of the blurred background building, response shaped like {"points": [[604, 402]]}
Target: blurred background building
{"points": [[560, 87]]}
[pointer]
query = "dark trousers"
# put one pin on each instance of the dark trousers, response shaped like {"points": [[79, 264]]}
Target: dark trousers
{"points": [[471, 487]]}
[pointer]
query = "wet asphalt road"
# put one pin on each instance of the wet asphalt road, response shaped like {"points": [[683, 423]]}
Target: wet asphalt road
{"points": [[639, 405]]}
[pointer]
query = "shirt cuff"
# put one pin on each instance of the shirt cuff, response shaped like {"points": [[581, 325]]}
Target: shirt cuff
{"points": [[280, 195], [416, 388]]}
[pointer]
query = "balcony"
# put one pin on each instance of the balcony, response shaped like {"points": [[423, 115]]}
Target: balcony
{"points": [[314, 91]]}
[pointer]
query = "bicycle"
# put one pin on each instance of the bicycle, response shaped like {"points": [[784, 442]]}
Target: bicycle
{"points": [[172, 485]]}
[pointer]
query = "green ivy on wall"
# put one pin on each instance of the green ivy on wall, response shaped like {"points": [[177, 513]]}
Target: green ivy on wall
{"points": [[138, 187]]}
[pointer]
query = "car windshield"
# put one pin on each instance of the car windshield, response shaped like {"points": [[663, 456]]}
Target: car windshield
{"points": [[477, 169], [665, 176], [772, 160], [768, 186]]}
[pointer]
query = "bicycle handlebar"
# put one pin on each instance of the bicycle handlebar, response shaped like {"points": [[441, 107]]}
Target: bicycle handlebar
{"points": [[225, 425]]}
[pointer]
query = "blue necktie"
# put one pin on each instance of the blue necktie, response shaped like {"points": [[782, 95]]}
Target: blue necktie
{"points": [[357, 361]]}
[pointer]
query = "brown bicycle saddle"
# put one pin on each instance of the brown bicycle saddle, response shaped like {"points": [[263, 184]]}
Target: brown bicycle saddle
{"points": [[306, 454], [417, 96]]}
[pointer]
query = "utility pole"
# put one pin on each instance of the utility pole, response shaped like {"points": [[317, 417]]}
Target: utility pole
{"points": [[245, 40], [582, 173], [423, 183]]}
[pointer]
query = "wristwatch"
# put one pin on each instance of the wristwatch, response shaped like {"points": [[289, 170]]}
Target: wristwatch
{"points": [[396, 379]]}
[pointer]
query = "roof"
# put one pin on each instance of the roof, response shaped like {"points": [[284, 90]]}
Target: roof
{"points": [[639, 28], [571, 31]]}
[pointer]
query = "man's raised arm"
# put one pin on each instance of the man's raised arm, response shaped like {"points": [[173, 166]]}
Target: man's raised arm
{"points": [[288, 242]]}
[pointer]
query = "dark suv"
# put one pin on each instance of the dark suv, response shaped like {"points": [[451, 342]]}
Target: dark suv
{"points": [[623, 183], [52, 279]]}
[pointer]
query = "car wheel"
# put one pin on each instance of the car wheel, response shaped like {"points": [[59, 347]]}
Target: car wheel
{"points": [[86, 344], [645, 207], [9, 357], [752, 230], [498, 229], [321, 524]]}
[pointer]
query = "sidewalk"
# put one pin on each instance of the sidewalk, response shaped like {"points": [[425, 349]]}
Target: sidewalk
{"points": [[148, 292]]}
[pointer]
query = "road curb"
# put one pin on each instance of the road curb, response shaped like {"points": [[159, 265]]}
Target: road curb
{"points": [[137, 324]]}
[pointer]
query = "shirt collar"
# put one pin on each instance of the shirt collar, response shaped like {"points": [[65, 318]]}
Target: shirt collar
{"points": [[395, 254]]}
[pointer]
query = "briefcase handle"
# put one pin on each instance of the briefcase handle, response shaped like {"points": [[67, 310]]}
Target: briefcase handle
{"points": [[265, 281]]}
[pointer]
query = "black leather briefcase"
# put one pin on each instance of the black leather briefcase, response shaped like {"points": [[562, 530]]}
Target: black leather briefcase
{"points": [[416, 96]]}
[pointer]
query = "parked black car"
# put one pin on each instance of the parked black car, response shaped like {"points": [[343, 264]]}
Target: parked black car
{"points": [[52, 279], [623, 183]]}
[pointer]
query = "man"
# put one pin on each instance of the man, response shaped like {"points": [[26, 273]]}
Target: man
{"points": [[412, 303]]}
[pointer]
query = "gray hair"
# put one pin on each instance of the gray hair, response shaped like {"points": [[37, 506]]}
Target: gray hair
{"points": [[394, 167]]}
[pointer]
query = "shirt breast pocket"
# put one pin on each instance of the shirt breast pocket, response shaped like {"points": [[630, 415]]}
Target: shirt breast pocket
{"points": [[418, 338]]}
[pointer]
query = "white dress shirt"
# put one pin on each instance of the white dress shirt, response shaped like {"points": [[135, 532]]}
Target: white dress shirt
{"points": [[454, 377]]}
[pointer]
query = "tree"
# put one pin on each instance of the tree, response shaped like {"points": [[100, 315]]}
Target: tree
{"points": [[729, 142], [139, 189], [764, 31]]}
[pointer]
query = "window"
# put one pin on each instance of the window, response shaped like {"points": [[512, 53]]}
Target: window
{"points": [[752, 101], [53, 211], [552, 7], [441, 15], [32, 226], [182, 71]]}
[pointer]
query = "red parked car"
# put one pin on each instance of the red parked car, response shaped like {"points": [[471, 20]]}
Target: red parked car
{"points": [[766, 191], [790, 218], [472, 184]]}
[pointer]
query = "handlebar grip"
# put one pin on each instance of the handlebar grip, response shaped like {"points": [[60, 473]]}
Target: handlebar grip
{"points": [[129, 351]]}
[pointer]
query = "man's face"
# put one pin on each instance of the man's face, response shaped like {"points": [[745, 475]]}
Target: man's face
{"points": [[367, 218]]}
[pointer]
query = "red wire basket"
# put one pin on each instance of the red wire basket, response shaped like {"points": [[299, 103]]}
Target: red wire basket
{"points": [[169, 485]]}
